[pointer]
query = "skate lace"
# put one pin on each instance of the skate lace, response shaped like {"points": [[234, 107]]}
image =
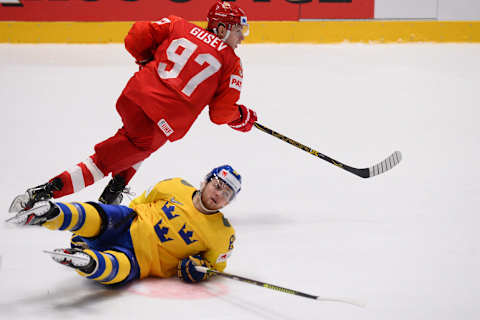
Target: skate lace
{"points": [[129, 193]]}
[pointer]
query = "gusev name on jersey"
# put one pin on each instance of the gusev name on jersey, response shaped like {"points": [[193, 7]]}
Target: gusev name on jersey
{"points": [[169, 228], [190, 68]]}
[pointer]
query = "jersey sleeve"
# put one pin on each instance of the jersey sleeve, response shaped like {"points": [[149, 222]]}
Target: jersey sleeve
{"points": [[223, 108], [217, 257], [145, 36]]}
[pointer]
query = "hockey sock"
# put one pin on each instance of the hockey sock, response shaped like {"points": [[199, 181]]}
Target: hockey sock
{"points": [[78, 242], [111, 266], [82, 175], [81, 218]]}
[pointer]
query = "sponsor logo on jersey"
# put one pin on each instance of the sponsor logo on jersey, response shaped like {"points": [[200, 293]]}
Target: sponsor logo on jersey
{"points": [[224, 256], [165, 127], [13, 3], [236, 82], [172, 200]]}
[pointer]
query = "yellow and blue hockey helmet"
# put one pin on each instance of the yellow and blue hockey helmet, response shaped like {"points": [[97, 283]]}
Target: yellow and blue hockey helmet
{"points": [[228, 175]]}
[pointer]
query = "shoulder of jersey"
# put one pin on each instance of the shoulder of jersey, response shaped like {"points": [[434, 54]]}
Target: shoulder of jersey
{"points": [[182, 182], [174, 18]]}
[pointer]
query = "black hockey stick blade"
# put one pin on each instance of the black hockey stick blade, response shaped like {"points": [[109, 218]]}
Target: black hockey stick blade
{"points": [[381, 167]]}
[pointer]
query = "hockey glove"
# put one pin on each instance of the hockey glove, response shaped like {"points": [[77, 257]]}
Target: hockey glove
{"points": [[246, 120], [187, 271]]}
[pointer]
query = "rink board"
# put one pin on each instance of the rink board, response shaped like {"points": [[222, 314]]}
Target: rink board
{"points": [[324, 31]]}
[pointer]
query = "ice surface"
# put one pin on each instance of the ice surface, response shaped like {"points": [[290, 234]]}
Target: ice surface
{"points": [[406, 242]]}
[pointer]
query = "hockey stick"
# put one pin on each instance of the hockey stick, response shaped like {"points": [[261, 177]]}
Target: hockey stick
{"points": [[381, 167], [277, 288]]}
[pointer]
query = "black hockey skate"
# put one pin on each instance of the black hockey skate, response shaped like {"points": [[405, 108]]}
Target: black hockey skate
{"points": [[41, 212], [42, 192], [74, 258], [113, 192]]}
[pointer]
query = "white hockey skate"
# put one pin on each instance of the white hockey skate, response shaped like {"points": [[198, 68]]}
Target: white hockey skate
{"points": [[31, 196], [73, 258], [41, 212]]}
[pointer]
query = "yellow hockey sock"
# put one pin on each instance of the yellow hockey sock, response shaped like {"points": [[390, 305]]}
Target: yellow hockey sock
{"points": [[112, 266], [81, 218]]}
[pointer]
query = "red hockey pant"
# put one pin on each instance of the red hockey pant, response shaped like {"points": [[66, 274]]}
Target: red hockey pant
{"points": [[119, 155], [134, 142]]}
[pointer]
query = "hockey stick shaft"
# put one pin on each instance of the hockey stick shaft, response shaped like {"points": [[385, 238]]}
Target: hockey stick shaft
{"points": [[275, 287], [379, 168]]}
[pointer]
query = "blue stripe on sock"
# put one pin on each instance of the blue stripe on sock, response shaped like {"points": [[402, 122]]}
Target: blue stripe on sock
{"points": [[101, 266], [114, 271], [81, 216], [67, 216]]}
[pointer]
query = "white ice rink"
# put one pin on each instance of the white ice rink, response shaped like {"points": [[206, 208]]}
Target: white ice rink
{"points": [[407, 242]]}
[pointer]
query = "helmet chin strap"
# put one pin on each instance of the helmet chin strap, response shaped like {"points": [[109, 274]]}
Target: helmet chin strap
{"points": [[226, 34], [202, 205]]}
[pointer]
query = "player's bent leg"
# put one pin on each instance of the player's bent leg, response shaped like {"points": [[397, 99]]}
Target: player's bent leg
{"points": [[111, 266], [118, 153], [77, 242], [139, 137], [94, 222], [83, 219], [114, 228], [82, 175], [106, 267], [138, 127]]}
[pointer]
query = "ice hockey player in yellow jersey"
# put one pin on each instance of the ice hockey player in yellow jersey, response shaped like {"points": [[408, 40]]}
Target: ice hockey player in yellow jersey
{"points": [[167, 230]]}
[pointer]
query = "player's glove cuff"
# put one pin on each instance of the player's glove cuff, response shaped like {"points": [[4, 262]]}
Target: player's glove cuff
{"points": [[246, 120], [187, 271]]}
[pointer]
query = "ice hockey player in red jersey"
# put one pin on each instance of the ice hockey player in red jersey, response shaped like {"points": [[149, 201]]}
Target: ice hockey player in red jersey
{"points": [[183, 68]]}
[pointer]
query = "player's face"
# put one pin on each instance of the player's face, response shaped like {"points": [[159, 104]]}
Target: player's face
{"points": [[236, 36], [216, 194]]}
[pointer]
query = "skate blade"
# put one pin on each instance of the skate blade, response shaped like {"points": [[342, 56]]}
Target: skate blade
{"points": [[65, 255], [20, 218], [39, 209], [60, 257], [18, 204]]}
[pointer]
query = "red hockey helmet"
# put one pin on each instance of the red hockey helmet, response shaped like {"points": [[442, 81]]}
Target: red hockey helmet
{"points": [[229, 15]]}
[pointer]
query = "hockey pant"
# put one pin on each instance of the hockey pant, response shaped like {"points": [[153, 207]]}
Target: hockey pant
{"points": [[121, 154], [103, 232]]}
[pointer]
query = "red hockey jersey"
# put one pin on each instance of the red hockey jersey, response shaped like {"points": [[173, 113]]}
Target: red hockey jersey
{"points": [[190, 69]]}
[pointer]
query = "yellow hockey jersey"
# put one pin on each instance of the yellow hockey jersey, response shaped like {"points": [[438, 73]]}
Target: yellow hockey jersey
{"points": [[169, 228]]}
